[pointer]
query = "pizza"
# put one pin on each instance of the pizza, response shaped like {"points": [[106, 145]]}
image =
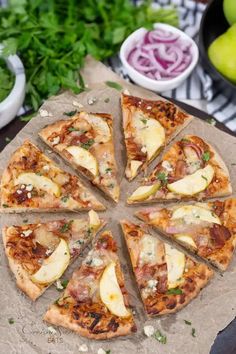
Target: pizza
{"points": [[207, 229], [85, 141], [148, 126], [167, 278], [190, 169], [33, 182], [38, 254], [95, 303]]}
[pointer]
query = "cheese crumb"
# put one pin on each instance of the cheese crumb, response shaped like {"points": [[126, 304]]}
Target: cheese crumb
{"points": [[46, 168], [149, 107], [19, 191], [44, 113], [26, 233], [55, 140], [101, 351], [29, 195], [22, 186], [126, 92], [48, 252], [148, 330], [167, 166], [52, 330], [144, 149], [91, 100], [59, 285], [77, 104], [83, 348], [29, 187]]}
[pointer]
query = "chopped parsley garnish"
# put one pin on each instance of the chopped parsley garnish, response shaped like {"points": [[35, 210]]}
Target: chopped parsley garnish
{"points": [[107, 100], [204, 178], [38, 173], [187, 322], [108, 170], [66, 226], [71, 113], [160, 337], [64, 198], [25, 221], [11, 320], [114, 85], [162, 177], [108, 351], [89, 231], [175, 291], [211, 121], [111, 185], [184, 140], [5, 206], [7, 139], [64, 283], [144, 121], [88, 144], [193, 332], [206, 156], [73, 129]]}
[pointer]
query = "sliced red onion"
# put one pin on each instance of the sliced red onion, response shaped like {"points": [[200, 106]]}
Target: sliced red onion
{"points": [[160, 55]]}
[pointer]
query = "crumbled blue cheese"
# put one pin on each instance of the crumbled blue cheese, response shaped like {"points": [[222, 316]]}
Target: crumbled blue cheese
{"points": [[22, 186], [26, 233], [96, 262], [46, 168], [83, 348], [44, 113], [55, 140], [59, 285], [77, 104], [29, 195], [167, 166], [29, 187], [101, 351], [19, 191], [51, 330], [148, 330], [150, 288], [126, 92]]}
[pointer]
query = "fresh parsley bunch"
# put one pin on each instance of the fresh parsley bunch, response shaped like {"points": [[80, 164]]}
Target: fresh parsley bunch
{"points": [[53, 37]]}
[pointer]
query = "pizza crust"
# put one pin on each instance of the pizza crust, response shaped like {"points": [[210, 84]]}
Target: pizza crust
{"points": [[56, 317]]}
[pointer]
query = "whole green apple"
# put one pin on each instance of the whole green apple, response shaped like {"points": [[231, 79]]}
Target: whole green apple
{"points": [[229, 7], [222, 53]]}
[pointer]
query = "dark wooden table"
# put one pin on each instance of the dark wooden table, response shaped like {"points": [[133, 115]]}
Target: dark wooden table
{"points": [[225, 342]]}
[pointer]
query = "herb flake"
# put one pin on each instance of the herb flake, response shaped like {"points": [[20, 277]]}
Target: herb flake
{"points": [[206, 156], [114, 85], [162, 177], [11, 320], [193, 333], [88, 144], [160, 337], [187, 322], [66, 226], [71, 113], [175, 291]]}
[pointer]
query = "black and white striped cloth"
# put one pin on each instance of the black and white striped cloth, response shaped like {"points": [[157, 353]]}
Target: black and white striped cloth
{"points": [[199, 85]]}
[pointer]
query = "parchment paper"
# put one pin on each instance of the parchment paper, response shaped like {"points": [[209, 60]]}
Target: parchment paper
{"points": [[209, 313]]}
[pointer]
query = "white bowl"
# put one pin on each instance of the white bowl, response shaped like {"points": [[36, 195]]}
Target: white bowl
{"points": [[12, 103], [157, 85]]}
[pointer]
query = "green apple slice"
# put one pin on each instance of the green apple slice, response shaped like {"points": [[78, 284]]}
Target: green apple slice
{"points": [[186, 239], [134, 166], [175, 265], [94, 221], [54, 266], [100, 125], [110, 292], [150, 132], [143, 192], [39, 182], [194, 213], [84, 158], [193, 184]]}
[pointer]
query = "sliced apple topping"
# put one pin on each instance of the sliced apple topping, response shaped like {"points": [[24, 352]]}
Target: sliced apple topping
{"points": [[94, 221], [39, 182], [175, 265], [143, 192], [101, 127], [150, 133], [110, 292], [194, 183], [186, 239], [134, 166], [194, 213], [54, 266], [84, 158]]}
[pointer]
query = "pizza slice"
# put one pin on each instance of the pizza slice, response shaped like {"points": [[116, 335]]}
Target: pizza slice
{"points": [[38, 254], [95, 303], [85, 141], [190, 169], [207, 229], [167, 278], [148, 127], [32, 182]]}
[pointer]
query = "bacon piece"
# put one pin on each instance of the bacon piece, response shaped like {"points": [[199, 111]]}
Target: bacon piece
{"points": [[219, 235], [180, 169]]}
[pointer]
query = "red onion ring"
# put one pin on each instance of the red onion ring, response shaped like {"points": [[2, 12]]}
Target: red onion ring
{"points": [[160, 55]]}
